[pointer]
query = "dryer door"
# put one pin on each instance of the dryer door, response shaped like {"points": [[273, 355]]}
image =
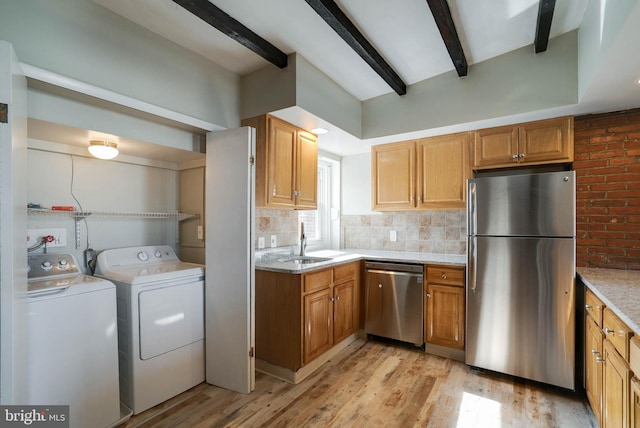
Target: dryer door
{"points": [[170, 317]]}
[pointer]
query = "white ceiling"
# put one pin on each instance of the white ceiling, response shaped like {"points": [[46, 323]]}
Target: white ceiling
{"points": [[405, 34], [403, 31]]}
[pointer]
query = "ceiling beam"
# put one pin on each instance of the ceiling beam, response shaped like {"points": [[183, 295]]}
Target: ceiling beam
{"points": [[543, 25], [333, 15], [217, 18], [442, 14]]}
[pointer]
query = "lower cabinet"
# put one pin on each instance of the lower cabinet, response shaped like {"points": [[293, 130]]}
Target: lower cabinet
{"points": [[444, 306], [616, 379], [611, 357], [301, 316], [593, 366]]}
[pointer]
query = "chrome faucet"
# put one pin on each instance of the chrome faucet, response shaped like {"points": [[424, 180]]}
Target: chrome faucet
{"points": [[303, 240]]}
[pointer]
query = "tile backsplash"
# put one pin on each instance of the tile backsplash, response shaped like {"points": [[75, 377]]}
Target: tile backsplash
{"points": [[440, 232], [281, 223]]}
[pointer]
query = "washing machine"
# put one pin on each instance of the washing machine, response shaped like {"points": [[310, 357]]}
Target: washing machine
{"points": [[72, 348], [160, 322]]}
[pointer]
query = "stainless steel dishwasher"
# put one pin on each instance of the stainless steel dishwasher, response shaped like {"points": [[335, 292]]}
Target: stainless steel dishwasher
{"points": [[394, 296]]}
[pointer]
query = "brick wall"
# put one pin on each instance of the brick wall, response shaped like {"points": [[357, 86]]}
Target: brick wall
{"points": [[607, 165]]}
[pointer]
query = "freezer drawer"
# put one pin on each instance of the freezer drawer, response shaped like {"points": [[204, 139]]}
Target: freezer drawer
{"points": [[520, 307], [394, 302]]}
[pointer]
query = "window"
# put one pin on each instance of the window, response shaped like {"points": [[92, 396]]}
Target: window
{"points": [[319, 224]]}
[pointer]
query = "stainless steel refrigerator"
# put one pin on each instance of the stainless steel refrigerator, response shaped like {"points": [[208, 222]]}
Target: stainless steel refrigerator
{"points": [[521, 276]]}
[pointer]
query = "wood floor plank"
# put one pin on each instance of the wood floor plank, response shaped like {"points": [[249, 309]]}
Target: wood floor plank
{"points": [[374, 384]]}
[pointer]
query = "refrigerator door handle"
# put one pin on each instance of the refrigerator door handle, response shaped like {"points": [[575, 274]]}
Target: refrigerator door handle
{"points": [[471, 209], [473, 254]]}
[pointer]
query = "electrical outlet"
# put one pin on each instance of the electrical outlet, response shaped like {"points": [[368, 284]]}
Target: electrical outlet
{"points": [[260, 242], [273, 241], [34, 237], [393, 236], [200, 233]]}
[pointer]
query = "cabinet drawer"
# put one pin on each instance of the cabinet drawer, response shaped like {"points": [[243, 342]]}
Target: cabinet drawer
{"points": [[344, 272], [445, 275], [317, 280], [617, 332], [593, 306], [634, 355]]}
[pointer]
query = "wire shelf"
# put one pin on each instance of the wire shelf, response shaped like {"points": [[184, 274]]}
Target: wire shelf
{"points": [[83, 214]]}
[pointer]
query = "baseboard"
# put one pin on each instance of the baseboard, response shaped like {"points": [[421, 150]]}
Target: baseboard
{"points": [[295, 377], [443, 351]]}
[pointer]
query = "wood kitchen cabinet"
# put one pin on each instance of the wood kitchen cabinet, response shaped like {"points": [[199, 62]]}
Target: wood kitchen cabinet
{"points": [[444, 305], [286, 164], [301, 316], [430, 173], [610, 357], [532, 143]]}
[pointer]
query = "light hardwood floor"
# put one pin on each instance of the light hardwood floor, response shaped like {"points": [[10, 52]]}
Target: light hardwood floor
{"points": [[373, 384]]}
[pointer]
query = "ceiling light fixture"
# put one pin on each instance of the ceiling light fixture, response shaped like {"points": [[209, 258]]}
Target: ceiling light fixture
{"points": [[319, 131], [103, 149]]}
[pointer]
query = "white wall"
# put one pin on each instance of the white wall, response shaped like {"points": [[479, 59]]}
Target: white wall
{"points": [[356, 184], [85, 41], [103, 186]]}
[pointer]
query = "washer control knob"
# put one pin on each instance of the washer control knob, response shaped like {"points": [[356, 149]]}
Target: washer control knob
{"points": [[143, 256], [158, 254], [46, 265], [63, 264]]}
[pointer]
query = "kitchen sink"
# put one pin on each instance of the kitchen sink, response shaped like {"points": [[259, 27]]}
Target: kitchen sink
{"points": [[305, 260]]}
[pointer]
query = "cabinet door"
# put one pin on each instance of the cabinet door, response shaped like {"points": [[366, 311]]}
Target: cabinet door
{"points": [[393, 176], [445, 315], [443, 170], [343, 324], [593, 366], [616, 395], [307, 171], [281, 154], [495, 147], [318, 323], [546, 141], [634, 408]]}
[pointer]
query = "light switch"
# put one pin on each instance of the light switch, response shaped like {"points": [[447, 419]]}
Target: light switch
{"points": [[273, 241], [260, 242], [393, 236]]}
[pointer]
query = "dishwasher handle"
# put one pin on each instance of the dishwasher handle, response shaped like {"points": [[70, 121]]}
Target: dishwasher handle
{"points": [[391, 272]]}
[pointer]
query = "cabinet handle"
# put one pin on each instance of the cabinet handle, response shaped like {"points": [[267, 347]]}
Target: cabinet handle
{"points": [[380, 285], [296, 193], [599, 360], [411, 199], [331, 299], [514, 157], [428, 295], [607, 330], [594, 352], [521, 155], [274, 190], [588, 307], [443, 276], [338, 298], [419, 198]]}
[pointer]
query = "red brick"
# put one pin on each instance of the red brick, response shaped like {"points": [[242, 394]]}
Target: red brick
{"points": [[591, 242], [633, 135], [624, 226], [624, 128], [607, 235], [596, 148], [633, 219], [616, 251], [623, 177], [622, 194], [623, 243], [597, 210], [622, 160], [607, 154], [590, 164], [600, 202], [608, 120], [608, 186], [632, 152], [590, 179], [586, 132]]}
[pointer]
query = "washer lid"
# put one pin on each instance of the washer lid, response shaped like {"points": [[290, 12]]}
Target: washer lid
{"points": [[154, 272], [66, 286]]}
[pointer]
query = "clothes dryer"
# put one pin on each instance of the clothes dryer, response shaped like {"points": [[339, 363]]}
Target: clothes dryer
{"points": [[160, 322]]}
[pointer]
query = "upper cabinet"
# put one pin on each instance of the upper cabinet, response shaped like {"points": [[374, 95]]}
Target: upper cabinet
{"points": [[286, 164], [532, 143], [430, 173]]}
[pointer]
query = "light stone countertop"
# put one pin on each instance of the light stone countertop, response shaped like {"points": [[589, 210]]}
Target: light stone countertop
{"points": [[618, 289], [276, 263]]}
